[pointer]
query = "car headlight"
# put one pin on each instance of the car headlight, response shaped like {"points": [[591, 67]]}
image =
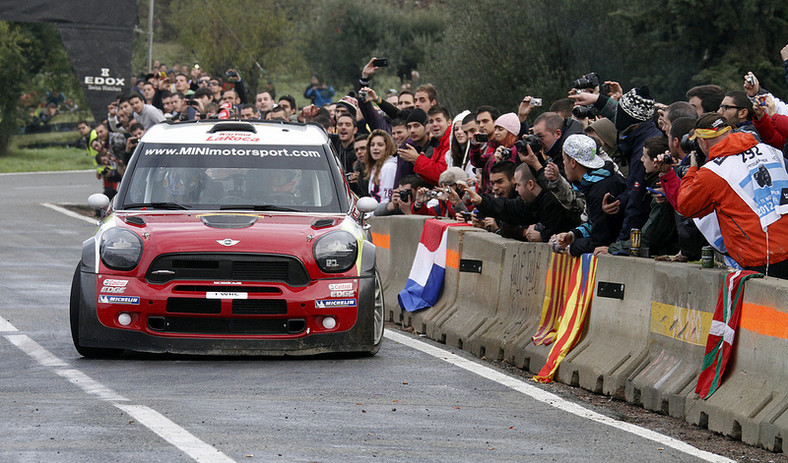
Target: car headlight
{"points": [[336, 251], [120, 249]]}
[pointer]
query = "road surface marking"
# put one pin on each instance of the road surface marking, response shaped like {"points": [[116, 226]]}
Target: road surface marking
{"points": [[550, 398], [169, 431], [71, 214]]}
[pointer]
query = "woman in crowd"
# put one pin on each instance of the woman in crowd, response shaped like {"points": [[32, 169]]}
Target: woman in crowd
{"points": [[459, 146], [381, 165], [500, 147]]}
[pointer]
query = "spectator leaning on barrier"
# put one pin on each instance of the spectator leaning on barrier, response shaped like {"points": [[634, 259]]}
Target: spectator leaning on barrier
{"points": [[594, 178], [743, 184], [448, 202], [502, 186], [535, 214]]}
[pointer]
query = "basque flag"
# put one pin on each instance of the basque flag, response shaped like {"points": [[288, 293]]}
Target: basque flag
{"points": [[425, 281], [722, 333]]}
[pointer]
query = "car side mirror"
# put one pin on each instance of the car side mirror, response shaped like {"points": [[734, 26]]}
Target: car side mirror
{"points": [[98, 201], [366, 205]]}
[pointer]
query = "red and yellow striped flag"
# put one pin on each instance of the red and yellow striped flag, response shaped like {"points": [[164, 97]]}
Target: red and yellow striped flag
{"points": [[574, 314], [556, 291]]}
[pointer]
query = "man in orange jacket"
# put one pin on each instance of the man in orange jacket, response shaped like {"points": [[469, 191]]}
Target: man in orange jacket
{"points": [[745, 183]]}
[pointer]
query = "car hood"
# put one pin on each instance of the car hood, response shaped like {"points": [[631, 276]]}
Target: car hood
{"points": [[221, 232]]}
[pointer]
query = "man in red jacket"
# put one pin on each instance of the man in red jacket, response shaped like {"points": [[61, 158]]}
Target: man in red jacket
{"points": [[429, 168], [745, 183]]}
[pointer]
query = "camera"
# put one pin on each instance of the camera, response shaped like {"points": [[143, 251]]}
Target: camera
{"points": [[404, 196], [589, 80], [231, 74], [506, 153], [134, 140], [581, 112], [749, 79], [530, 140], [763, 177], [536, 102], [380, 62], [467, 216], [362, 96], [605, 89], [480, 137], [432, 194], [688, 145]]}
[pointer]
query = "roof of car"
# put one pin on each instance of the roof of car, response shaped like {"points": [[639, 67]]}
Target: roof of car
{"points": [[236, 132]]}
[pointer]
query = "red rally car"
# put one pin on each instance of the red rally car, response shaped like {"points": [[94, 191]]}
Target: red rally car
{"points": [[230, 237]]}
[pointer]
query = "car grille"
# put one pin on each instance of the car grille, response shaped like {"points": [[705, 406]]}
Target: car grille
{"points": [[240, 267], [222, 326]]}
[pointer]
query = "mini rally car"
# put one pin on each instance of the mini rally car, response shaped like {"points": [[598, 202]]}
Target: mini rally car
{"points": [[232, 238]]}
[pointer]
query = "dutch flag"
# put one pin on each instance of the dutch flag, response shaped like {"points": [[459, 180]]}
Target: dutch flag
{"points": [[425, 281]]}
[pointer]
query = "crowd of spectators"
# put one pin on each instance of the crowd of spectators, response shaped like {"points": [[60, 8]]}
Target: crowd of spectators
{"points": [[581, 176]]}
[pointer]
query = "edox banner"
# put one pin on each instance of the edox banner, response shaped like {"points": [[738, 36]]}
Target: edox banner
{"points": [[97, 35]]}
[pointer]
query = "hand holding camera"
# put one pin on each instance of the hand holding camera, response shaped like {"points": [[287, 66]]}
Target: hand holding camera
{"points": [[408, 153], [479, 138], [751, 84]]}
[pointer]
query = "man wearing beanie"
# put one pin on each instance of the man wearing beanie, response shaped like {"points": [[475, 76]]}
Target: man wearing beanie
{"points": [[594, 177], [418, 144], [634, 115], [746, 185]]}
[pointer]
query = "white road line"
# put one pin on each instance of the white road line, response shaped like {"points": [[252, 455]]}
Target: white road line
{"points": [[166, 429], [5, 325], [174, 434], [550, 398], [91, 386], [33, 349], [71, 214]]}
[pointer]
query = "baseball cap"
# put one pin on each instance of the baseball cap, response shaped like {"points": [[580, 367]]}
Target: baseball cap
{"points": [[710, 125], [582, 149]]}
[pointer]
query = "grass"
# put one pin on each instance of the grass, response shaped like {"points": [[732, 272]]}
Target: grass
{"points": [[21, 159]]}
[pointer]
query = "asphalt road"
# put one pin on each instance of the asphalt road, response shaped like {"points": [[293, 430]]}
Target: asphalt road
{"points": [[404, 404]]}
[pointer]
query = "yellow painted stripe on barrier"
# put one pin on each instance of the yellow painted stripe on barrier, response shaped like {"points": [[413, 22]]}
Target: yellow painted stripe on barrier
{"points": [[764, 320], [381, 241], [686, 325], [452, 258]]}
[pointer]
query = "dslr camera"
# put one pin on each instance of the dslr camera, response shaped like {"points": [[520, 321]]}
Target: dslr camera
{"points": [[362, 96], [404, 196], [581, 112], [688, 145], [530, 140], [589, 80]]}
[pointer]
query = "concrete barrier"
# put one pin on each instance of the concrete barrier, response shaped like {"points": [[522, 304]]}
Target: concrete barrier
{"points": [[614, 343], [646, 345], [404, 232], [507, 336], [752, 402], [429, 320], [683, 298]]}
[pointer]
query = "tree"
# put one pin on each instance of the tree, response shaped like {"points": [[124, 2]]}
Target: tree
{"points": [[32, 57], [239, 35]]}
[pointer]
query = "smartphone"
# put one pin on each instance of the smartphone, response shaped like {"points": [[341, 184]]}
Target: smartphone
{"points": [[656, 192], [536, 102], [380, 62], [480, 137]]}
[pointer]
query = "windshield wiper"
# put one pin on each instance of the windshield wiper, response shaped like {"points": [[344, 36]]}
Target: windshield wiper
{"points": [[161, 205], [258, 207]]}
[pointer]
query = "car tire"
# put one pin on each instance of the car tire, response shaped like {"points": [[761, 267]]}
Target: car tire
{"points": [[75, 306], [378, 316]]}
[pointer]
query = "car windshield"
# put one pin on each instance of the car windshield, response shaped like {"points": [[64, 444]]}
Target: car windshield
{"points": [[230, 177]]}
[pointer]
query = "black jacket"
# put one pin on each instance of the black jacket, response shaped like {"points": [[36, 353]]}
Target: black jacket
{"points": [[543, 210], [601, 229]]}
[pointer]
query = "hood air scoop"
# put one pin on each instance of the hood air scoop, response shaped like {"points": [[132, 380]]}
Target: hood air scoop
{"points": [[229, 220]]}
